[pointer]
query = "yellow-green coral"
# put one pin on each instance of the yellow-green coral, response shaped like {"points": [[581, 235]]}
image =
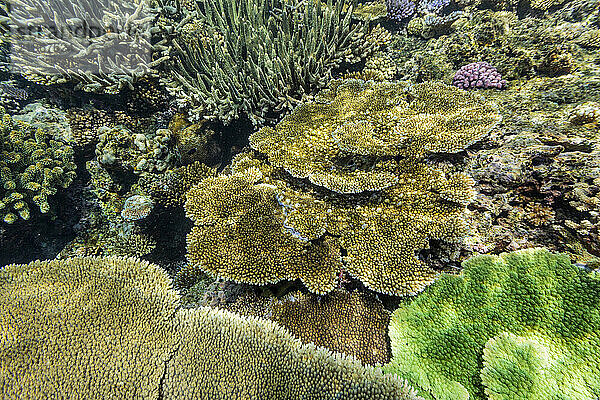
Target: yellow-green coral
{"points": [[530, 318], [98, 328], [238, 233], [343, 140], [33, 165], [351, 323], [84, 328]]}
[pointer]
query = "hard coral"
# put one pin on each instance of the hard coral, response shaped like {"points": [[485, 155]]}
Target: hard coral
{"points": [[344, 139], [360, 199], [532, 316], [97, 328], [238, 234], [479, 75], [33, 166], [289, 49], [351, 323]]}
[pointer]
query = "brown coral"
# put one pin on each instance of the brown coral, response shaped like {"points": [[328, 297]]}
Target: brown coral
{"points": [[351, 323]]}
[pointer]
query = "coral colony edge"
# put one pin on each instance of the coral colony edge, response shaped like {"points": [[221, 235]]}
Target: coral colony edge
{"points": [[300, 199]]}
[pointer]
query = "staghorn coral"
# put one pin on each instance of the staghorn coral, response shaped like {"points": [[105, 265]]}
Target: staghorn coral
{"points": [[238, 233], [96, 328], [102, 45], [351, 323], [324, 140], [529, 304], [33, 166], [288, 51]]}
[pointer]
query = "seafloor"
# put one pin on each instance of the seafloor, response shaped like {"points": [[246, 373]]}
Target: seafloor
{"points": [[293, 199]]}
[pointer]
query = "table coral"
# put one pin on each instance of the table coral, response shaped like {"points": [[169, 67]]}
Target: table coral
{"points": [[376, 208], [344, 139], [351, 323], [97, 328], [531, 317], [33, 166], [238, 233]]}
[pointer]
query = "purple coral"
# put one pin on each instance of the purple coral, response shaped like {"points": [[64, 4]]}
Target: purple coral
{"points": [[433, 6], [399, 10], [479, 75]]}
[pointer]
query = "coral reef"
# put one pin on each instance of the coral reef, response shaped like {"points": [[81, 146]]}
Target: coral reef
{"points": [[531, 315], [119, 148], [169, 189], [399, 10], [108, 50], [111, 328], [316, 141], [33, 166], [85, 123], [351, 323], [137, 207], [238, 234], [378, 209], [479, 75], [288, 51]]}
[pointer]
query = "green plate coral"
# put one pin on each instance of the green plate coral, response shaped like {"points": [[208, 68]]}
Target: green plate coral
{"points": [[523, 325]]}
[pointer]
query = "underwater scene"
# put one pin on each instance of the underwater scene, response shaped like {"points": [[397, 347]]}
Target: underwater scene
{"points": [[300, 199]]}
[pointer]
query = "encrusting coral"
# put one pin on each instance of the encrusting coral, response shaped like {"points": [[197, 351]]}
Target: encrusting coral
{"points": [[97, 328], [33, 166], [530, 317], [252, 57], [373, 209], [351, 323]]}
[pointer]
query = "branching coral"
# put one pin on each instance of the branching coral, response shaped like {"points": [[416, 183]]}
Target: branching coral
{"points": [[97, 328], [33, 165], [255, 56], [531, 317], [103, 45]]}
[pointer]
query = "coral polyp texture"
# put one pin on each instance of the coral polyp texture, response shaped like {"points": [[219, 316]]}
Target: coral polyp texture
{"points": [[239, 234], [522, 325], [345, 139], [479, 75], [351, 323], [97, 328], [288, 48], [369, 200], [33, 166]]}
